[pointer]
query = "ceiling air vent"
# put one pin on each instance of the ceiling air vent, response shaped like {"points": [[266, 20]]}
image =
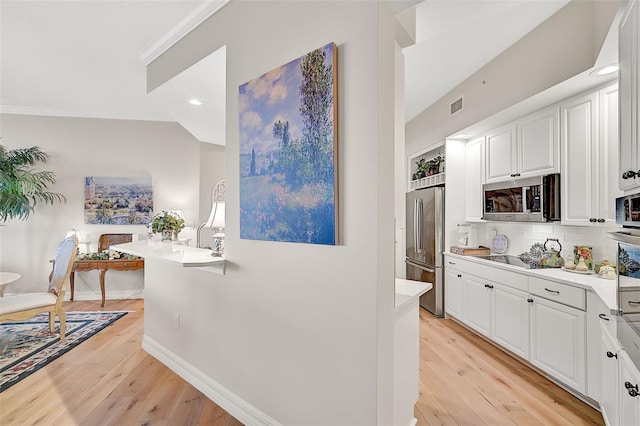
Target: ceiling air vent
{"points": [[455, 106]]}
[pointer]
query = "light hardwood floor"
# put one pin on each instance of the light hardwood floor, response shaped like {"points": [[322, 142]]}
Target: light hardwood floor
{"points": [[109, 379], [465, 380]]}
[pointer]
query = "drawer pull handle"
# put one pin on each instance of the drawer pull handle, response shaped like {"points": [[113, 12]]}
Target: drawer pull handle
{"points": [[611, 355], [452, 263], [459, 275], [552, 291], [631, 302], [530, 300], [633, 389], [488, 286], [603, 316]]}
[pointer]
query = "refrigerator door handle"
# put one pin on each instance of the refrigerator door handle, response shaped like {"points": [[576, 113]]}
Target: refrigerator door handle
{"points": [[418, 231], [424, 268]]}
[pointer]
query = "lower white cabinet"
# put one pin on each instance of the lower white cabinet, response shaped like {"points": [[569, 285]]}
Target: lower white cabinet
{"points": [[510, 319], [609, 377], [558, 341], [628, 387], [454, 292], [478, 304]]}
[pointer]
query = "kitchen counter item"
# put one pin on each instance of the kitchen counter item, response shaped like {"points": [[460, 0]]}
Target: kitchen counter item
{"points": [[500, 243], [551, 258], [470, 251], [586, 252], [573, 271]]}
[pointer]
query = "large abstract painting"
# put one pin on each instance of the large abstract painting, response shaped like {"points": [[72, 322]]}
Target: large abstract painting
{"points": [[288, 152], [118, 201]]}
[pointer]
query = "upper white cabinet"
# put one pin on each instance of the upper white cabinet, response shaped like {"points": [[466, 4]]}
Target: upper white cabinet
{"points": [[629, 162], [589, 151], [474, 179], [525, 148], [538, 147]]}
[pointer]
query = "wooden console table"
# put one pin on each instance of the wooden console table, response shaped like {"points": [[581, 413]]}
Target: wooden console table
{"points": [[103, 266]]}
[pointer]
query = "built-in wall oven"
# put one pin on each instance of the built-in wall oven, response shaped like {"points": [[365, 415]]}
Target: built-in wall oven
{"points": [[628, 281]]}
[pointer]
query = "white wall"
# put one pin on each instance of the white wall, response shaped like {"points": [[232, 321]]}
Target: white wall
{"points": [[312, 325], [558, 49], [82, 147]]}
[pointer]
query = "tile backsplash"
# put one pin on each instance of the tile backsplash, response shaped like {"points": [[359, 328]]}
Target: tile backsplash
{"points": [[521, 236]]}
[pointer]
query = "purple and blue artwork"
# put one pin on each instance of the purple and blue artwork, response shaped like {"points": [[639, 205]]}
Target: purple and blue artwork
{"points": [[288, 151]]}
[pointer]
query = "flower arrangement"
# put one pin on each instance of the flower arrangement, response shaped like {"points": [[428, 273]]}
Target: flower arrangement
{"points": [[428, 167], [165, 221], [106, 255]]}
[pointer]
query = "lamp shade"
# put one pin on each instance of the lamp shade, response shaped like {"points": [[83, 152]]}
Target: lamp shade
{"points": [[177, 213], [216, 217]]}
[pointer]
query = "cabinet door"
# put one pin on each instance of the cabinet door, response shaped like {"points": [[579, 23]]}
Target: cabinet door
{"points": [[510, 319], [538, 150], [629, 404], [474, 179], [607, 161], [558, 341], [500, 148], [477, 307], [628, 80], [579, 147], [454, 293], [609, 377]]}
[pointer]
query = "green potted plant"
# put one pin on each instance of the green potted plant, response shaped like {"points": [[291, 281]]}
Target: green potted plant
{"points": [[21, 186], [168, 224]]}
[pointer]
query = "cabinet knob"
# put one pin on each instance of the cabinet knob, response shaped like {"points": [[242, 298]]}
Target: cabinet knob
{"points": [[630, 174], [459, 275], [530, 300], [600, 220], [592, 219], [611, 355]]}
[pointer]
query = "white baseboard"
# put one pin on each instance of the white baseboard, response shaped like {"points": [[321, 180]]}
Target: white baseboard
{"points": [[111, 295], [230, 402]]}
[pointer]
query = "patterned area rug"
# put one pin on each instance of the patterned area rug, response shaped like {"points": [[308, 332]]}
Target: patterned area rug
{"points": [[27, 346]]}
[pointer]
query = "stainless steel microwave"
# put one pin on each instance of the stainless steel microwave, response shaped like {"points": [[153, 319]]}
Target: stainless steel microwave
{"points": [[628, 211], [535, 199]]}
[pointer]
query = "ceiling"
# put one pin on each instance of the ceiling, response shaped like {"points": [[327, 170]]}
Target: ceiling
{"points": [[87, 58]]}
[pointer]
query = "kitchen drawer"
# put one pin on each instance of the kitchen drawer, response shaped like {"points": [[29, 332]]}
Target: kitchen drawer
{"points": [[630, 301], [498, 275], [558, 292], [454, 263]]}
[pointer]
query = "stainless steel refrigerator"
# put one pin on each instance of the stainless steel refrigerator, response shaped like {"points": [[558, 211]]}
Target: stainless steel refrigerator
{"points": [[425, 244]]}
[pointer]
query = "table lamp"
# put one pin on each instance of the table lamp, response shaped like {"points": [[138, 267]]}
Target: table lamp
{"points": [[216, 222]]}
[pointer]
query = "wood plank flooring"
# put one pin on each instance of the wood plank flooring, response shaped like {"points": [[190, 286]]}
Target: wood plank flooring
{"points": [[110, 380], [465, 380]]}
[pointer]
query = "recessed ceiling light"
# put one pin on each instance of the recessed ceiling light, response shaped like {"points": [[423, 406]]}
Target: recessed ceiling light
{"points": [[195, 102], [606, 70]]}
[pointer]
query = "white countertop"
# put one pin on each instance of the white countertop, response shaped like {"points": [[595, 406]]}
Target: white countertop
{"points": [[409, 290], [605, 289], [184, 255]]}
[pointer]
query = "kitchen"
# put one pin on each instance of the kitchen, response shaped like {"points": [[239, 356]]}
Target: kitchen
{"points": [[572, 136]]}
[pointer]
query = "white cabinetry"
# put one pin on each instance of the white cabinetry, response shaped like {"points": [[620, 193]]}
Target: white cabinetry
{"points": [[609, 377], [474, 178], [454, 288], [501, 154], [510, 319], [478, 304], [589, 152], [528, 147], [628, 387], [558, 341], [629, 162]]}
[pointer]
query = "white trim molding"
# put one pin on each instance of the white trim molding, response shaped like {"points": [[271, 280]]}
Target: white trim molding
{"points": [[184, 27], [230, 402]]}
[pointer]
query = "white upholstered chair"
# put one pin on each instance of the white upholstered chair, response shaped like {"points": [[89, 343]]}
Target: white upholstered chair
{"points": [[17, 307]]}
